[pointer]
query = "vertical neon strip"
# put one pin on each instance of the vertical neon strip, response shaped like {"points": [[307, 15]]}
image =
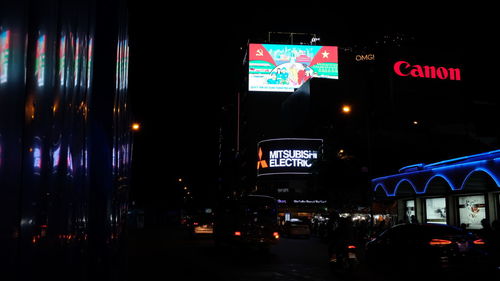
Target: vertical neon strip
{"points": [[4, 55], [69, 160], [89, 61], [117, 74], [126, 63], [40, 61], [77, 61], [122, 66], [56, 157], [62, 60], [37, 158]]}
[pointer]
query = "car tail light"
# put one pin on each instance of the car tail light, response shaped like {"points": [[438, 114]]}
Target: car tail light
{"points": [[351, 247], [195, 223], [439, 242], [479, 242], [237, 233], [276, 235]]}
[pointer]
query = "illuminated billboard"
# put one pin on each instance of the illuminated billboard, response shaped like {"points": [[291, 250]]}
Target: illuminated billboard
{"points": [[287, 156], [284, 68]]}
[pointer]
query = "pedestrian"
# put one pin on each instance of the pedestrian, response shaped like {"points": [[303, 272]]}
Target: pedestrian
{"points": [[342, 236], [486, 232], [413, 220]]}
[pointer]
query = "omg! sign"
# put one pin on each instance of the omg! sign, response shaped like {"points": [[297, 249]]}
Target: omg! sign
{"points": [[404, 68], [287, 155]]}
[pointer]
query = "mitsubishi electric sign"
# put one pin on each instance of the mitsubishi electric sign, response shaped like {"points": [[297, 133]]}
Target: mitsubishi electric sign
{"points": [[287, 156]]}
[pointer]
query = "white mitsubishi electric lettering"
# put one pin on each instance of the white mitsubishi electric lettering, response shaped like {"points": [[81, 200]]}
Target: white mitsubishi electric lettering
{"points": [[287, 156], [291, 158]]}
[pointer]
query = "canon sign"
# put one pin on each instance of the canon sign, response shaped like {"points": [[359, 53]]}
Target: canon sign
{"points": [[403, 68]]}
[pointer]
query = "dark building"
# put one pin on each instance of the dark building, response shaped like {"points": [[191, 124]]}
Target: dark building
{"points": [[411, 100], [65, 140]]}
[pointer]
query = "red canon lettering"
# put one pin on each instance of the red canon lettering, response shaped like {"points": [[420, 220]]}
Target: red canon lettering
{"points": [[403, 68], [397, 68]]}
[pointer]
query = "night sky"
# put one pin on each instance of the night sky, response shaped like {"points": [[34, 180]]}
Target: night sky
{"points": [[184, 69]]}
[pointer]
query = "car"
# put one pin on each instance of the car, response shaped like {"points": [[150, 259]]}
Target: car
{"points": [[296, 228], [250, 221], [203, 227], [426, 247], [200, 223]]}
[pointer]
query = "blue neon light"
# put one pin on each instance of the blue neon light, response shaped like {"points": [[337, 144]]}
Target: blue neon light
{"points": [[440, 176], [481, 169], [400, 182], [463, 158], [475, 163], [414, 167], [383, 187]]}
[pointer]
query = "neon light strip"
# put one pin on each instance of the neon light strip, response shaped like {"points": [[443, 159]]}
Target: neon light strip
{"points": [[463, 158], [286, 173], [280, 139], [481, 169], [436, 176], [404, 180], [384, 188], [40, 61], [439, 172], [419, 165]]}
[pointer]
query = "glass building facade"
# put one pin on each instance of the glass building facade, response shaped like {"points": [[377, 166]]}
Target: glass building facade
{"points": [[65, 143]]}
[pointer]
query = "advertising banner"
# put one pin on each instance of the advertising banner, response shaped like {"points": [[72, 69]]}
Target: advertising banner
{"points": [[435, 209], [472, 209], [284, 68], [287, 156]]}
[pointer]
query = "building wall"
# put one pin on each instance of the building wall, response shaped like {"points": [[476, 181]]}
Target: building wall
{"points": [[65, 147]]}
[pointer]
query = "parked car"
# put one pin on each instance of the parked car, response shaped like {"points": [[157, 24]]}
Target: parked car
{"points": [[427, 247], [296, 228]]}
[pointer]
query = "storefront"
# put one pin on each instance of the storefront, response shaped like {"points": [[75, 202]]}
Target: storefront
{"points": [[304, 209], [461, 191]]}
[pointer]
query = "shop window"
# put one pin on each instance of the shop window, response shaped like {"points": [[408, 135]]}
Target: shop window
{"points": [[435, 210], [471, 210], [409, 210]]}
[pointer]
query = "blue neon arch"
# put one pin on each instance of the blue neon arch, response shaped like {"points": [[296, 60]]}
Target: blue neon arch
{"points": [[479, 170], [380, 185], [403, 181], [455, 172], [445, 178]]}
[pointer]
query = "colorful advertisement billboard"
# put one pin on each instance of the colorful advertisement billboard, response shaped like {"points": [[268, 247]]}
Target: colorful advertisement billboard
{"points": [[287, 156], [284, 68]]}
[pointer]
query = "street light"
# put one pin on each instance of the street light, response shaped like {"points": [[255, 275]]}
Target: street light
{"points": [[136, 126], [346, 109]]}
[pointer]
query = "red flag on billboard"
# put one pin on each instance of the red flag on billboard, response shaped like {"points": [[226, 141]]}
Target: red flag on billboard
{"points": [[325, 54], [258, 52]]}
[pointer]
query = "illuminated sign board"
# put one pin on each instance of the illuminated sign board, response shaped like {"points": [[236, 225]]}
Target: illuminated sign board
{"points": [[403, 68], [284, 68], [287, 156], [302, 201], [365, 57]]}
